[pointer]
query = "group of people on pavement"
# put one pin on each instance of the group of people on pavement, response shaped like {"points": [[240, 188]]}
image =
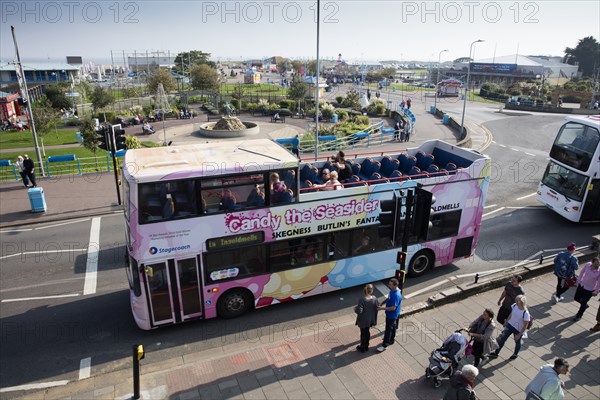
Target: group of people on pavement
{"points": [[26, 168], [513, 315]]}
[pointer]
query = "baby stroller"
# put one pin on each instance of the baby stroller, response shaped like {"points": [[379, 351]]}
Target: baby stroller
{"points": [[443, 362]]}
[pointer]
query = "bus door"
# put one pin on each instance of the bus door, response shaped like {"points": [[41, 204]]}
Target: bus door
{"points": [[591, 207], [174, 290]]}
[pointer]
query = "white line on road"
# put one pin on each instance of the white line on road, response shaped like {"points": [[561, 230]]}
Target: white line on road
{"points": [[91, 268], [85, 367], [491, 212], [502, 145], [24, 253], [490, 206], [531, 155], [514, 149], [33, 386], [61, 224], [524, 197], [57, 296], [16, 230]]}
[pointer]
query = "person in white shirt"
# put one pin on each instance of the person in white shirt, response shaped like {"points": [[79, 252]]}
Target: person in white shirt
{"points": [[516, 325], [547, 384]]}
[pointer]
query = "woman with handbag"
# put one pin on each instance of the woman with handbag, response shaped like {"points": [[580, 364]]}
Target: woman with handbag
{"points": [[565, 265], [366, 317], [481, 331]]}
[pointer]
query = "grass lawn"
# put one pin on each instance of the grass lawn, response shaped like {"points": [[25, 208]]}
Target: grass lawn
{"points": [[13, 140], [254, 89], [80, 152]]}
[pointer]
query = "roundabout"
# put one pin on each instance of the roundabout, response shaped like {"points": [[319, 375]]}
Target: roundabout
{"points": [[226, 127]]}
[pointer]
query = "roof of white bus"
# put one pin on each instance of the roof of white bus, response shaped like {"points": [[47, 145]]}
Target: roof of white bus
{"points": [[590, 120], [206, 159]]}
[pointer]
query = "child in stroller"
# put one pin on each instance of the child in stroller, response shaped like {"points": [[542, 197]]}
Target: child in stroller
{"points": [[443, 362]]}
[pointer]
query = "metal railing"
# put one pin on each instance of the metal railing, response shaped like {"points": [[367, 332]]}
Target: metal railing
{"points": [[73, 166]]}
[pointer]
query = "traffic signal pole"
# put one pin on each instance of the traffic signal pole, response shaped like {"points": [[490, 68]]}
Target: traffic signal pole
{"points": [[407, 219], [113, 153]]}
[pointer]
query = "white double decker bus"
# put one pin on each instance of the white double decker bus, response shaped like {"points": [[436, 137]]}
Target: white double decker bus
{"points": [[571, 183], [220, 228]]}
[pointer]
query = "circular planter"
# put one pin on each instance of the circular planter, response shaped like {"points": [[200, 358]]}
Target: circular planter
{"points": [[207, 131]]}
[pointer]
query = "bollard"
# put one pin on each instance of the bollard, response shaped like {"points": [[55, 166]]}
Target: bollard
{"points": [[541, 258], [476, 278], [138, 354]]}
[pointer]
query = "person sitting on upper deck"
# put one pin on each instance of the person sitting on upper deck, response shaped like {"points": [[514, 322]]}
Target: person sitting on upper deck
{"points": [[277, 189], [331, 184]]}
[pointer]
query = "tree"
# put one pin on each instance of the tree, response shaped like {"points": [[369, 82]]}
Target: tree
{"points": [[462, 60], [131, 142], [205, 77], [352, 100], [586, 53], [298, 89], [44, 116], [89, 137], [101, 98], [284, 65], [162, 76], [187, 59], [56, 97]]}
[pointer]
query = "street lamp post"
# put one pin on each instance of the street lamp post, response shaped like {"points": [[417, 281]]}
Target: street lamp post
{"points": [[462, 122], [437, 79]]}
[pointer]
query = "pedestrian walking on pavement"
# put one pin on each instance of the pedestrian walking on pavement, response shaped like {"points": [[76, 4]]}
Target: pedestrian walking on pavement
{"points": [[29, 168], [366, 317], [21, 169], [507, 298], [392, 312], [396, 130], [565, 265], [408, 103], [547, 384], [295, 145], [406, 131], [589, 285], [462, 384], [516, 325], [481, 331]]}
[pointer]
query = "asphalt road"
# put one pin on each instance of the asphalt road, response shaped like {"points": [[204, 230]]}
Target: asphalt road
{"points": [[46, 339]]}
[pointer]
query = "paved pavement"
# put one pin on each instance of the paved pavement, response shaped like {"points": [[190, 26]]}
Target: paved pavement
{"points": [[299, 362]]}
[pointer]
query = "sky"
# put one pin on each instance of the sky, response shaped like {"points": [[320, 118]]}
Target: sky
{"points": [[237, 30]]}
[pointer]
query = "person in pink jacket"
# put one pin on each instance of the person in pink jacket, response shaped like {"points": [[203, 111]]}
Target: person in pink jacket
{"points": [[588, 285]]}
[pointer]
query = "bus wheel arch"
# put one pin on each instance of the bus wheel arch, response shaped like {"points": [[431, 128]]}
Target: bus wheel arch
{"points": [[235, 302], [421, 262]]}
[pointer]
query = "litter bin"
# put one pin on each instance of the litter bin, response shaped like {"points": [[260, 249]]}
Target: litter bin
{"points": [[446, 119], [36, 199], [432, 109], [334, 118], [79, 137]]}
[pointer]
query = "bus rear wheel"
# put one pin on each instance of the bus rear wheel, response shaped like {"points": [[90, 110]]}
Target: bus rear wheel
{"points": [[420, 263], [234, 303]]}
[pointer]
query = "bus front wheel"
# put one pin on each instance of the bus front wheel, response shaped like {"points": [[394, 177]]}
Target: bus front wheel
{"points": [[420, 263], [234, 303]]}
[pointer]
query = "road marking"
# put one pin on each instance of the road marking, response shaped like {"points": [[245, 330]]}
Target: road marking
{"points": [[24, 253], [524, 197], [91, 268], [493, 141], [514, 149], [502, 145], [491, 212], [33, 386], [85, 367], [61, 224], [16, 230], [57, 296], [540, 207], [490, 206], [529, 154]]}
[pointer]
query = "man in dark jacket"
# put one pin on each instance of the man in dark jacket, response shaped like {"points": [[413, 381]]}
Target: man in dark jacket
{"points": [[29, 169], [461, 384]]}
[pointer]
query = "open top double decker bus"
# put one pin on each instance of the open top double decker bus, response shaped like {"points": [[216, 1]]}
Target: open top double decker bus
{"points": [[571, 183], [219, 228]]}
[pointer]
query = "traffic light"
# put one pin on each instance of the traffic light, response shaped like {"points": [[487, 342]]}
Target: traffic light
{"points": [[422, 214], [389, 224], [103, 139], [119, 137]]}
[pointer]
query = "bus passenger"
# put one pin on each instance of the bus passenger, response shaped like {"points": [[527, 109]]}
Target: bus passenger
{"points": [[331, 184], [278, 189]]}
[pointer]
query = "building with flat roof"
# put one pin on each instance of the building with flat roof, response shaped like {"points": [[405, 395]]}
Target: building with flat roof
{"points": [[39, 73], [512, 68]]}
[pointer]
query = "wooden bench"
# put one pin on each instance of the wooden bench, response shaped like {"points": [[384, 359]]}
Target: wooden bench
{"points": [[281, 119]]}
